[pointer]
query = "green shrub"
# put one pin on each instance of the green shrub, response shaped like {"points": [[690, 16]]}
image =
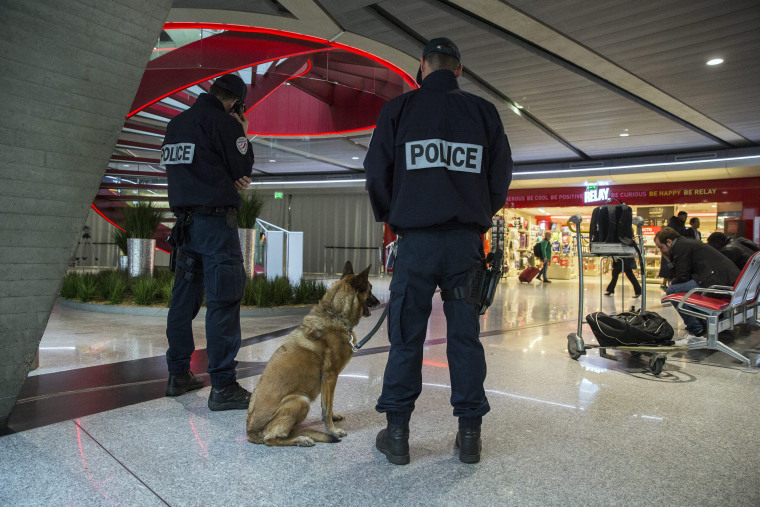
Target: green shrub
{"points": [[69, 286], [250, 209], [259, 291], [308, 292], [121, 238], [116, 286], [249, 297], [86, 287], [144, 290], [113, 286], [141, 220], [281, 292]]}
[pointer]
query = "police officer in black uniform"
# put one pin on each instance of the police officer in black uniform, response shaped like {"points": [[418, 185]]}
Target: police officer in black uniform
{"points": [[438, 168], [208, 159]]}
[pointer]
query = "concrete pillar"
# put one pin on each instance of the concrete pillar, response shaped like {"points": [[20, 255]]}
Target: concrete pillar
{"points": [[68, 74]]}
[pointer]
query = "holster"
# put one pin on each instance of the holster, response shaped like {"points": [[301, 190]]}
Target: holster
{"points": [[180, 233], [481, 283]]}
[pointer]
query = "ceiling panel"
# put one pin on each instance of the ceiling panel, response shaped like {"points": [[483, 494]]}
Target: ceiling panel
{"points": [[571, 115], [668, 45]]}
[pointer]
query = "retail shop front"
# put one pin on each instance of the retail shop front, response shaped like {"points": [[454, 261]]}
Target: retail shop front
{"points": [[731, 206]]}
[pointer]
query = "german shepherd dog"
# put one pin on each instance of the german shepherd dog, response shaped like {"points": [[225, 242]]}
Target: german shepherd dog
{"points": [[308, 365]]}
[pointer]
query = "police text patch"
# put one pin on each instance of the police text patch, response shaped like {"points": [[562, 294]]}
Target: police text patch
{"points": [[242, 145], [439, 153], [181, 153]]}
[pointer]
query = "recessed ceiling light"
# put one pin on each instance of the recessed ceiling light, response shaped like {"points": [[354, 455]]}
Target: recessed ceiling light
{"points": [[272, 160], [715, 61], [354, 158]]}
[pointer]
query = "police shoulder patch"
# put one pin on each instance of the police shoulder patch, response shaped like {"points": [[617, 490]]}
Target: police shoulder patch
{"points": [[242, 145]]}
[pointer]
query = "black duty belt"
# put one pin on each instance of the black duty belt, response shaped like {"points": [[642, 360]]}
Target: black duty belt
{"points": [[206, 210]]}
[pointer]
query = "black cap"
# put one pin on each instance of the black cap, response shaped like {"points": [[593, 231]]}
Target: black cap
{"points": [[441, 45], [233, 84]]}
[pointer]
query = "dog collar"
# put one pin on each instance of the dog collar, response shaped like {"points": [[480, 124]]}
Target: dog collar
{"points": [[339, 320]]}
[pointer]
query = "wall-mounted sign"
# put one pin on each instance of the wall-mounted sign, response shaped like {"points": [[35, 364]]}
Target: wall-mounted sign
{"points": [[595, 194], [655, 216], [278, 195]]}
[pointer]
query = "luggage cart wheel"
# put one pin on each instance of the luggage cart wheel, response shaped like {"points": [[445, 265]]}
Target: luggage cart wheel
{"points": [[656, 364], [572, 346]]}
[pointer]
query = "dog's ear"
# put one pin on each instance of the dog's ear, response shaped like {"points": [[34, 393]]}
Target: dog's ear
{"points": [[348, 269], [361, 281]]}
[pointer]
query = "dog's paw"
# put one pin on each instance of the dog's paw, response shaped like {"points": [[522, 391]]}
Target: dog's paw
{"points": [[303, 442], [337, 432], [337, 417]]}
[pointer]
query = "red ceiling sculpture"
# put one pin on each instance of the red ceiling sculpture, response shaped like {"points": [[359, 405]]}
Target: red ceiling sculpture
{"points": [[297, 86]]}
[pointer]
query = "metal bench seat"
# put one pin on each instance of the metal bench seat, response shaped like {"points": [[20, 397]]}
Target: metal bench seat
{"points": [[723, 308]]}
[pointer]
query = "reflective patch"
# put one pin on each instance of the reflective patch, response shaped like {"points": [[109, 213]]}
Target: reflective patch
{"points": [[439, 153], [242, 145], [180, 153]]}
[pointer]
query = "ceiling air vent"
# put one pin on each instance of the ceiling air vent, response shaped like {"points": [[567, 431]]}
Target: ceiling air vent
{"points": [[584, 165], [695, 156]]}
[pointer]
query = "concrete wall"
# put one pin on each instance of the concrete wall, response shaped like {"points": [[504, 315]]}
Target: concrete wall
{"points": [[68, 74]]}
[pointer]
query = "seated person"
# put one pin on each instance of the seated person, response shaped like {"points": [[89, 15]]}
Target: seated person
{"points": [[695, 264], [738, 251]]}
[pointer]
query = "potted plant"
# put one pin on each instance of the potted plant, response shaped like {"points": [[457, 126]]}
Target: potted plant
{"points": [[121, 239], [246, 217], [140, 222]]}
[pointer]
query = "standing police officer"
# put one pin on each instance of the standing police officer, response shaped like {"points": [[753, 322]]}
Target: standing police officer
{"points": [[438, 168], [208, 160]]}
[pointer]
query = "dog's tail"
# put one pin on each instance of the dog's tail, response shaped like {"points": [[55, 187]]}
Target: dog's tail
{"points": [[317, 436]]}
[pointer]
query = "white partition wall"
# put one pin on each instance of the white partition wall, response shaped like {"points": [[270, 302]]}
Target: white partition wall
{"points": [[275, 245], [295, 256]]}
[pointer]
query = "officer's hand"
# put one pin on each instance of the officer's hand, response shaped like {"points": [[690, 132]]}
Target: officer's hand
{"points": [[243, 183], [241, 119]]}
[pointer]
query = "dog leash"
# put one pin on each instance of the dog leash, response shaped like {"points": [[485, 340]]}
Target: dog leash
{"points": [[374, 330]]}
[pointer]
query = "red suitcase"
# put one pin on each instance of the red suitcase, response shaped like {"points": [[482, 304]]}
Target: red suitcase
{"points": [[528, 274]]}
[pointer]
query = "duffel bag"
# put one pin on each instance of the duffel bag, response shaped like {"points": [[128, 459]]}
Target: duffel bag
{"points": [[630, 328]]}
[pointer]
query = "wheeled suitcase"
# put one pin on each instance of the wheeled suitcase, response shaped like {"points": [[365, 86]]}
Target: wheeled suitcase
{"points": [[528, 274]]}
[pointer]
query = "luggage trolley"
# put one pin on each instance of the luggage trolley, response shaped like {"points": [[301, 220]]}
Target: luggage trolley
{"points": [[575, 344]]}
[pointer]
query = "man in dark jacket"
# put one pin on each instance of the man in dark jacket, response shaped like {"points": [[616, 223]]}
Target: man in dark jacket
{"points": [[208, 160], [678, 224], [693, 230], [736, 250], [438, 169], [695, 264]]}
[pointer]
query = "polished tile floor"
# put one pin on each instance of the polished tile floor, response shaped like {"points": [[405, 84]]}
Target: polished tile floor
{"points": [[92, 427]]}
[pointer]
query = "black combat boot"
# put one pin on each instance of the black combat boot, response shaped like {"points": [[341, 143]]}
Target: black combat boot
{"points": [[469, 444], [180, 383], [394, 443], [231, 397]]}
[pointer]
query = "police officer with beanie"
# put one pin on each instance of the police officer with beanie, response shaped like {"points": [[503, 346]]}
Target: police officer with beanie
{"points": [[208, 160], [438, 169]]}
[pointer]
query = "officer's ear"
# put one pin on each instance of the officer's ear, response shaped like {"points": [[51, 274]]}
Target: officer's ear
{"points": [[458, 72]]}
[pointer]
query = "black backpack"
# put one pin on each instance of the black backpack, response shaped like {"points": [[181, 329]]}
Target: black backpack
{"points": [[630, 328], [612, 223], [537, 252]]}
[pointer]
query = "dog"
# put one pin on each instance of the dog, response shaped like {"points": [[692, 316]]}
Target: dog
{"points": [[308, 365]]}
